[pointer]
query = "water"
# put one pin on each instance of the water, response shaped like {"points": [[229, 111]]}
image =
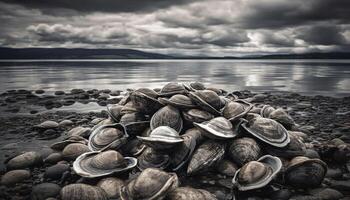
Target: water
{"points": [[308, 77]]}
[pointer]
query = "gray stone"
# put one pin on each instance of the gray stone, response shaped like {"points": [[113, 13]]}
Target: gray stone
{"points": [[44, 191], [28, 159], [14, 176], [56, 171]]}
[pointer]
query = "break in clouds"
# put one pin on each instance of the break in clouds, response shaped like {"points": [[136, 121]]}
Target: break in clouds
{"points": [[206, 27]]}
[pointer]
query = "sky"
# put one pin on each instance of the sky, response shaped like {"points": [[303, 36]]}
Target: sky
{"points": [[179, 27]]}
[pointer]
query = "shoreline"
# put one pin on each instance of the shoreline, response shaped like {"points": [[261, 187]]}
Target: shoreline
{"points": [[323, 119]]}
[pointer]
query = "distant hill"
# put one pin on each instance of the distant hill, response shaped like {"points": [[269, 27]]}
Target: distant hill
{"points": [[79, 53], [65, 53]]}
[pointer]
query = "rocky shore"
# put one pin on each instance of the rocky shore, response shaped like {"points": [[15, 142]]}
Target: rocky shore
{"points": [[27, 127]]}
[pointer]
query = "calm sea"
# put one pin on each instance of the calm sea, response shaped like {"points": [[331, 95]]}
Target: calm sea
{"points": [[310, 77]]}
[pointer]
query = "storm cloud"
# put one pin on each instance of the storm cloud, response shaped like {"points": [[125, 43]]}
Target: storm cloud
{"points": [[208, 27]]}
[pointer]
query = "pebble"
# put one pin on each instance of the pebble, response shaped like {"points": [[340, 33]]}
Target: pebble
{"points": [[65, 123], [77, 91], [44, 191], [28, 159], [283, 194], [59, 92], [72, 151], [39, 91], [340, 185], [68, 102], [334, 173], [79, 131], [47, 125], [15, 176], [327, 194], [56, 171], [53, 158]]}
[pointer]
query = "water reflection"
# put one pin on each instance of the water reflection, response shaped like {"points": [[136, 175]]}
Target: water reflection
{"points": [[307, 77]]}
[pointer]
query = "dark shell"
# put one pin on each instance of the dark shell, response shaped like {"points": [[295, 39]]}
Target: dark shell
{"points": [[183, 152], [303, 172], [82, 192], [145, 101], [132, 117], [114, 112], [267, 130], [194, 86], [205, 156], [136, 128], [134, 148], [151, 184], [257, 174], [243, 150], [188, 193], [226, 167], [196, 134], [167, 116], [236, 109], [97, 164], [296, 147], [151, 158], [197, 115], [108, 137], [179, 101], [163, 137], [172, 89], [207, 100], [217, 128]]}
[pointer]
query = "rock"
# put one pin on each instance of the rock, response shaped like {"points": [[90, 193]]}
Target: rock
{"points": [[79, 131], [44, 191], [77, 91], [103, 96], [68, 102], [304, 197], [47, 125], [96, 121], [115, 93], [14, 177], [102, 103], [39, 91], [340, 185], [334, 173], [310, 153], [111, 186], [59, 92], [302, 105], [83, 96], [283, 194], [337, 142], [326, 194], [65, 123], [11, 146], [28, 159], [49, 134], [56, 171], [53, 158], [33, 111], [72, 151]]}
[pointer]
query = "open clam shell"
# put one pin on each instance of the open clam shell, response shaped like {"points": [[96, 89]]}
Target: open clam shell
{"points": [[163, 137], [257, 174], [303, 172], [108, 137], [172, 88], [217, 128], [97, 164], [208, 100], [167, 116], [268, 131], [179, 101], [234, 110]]}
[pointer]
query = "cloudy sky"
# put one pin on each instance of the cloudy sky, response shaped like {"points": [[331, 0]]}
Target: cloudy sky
{"points": [[193, 27]]}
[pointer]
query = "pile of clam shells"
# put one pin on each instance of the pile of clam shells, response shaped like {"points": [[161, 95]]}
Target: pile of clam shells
{"points": [[153, 139]]}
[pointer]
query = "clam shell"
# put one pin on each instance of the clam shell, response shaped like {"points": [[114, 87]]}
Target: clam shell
{"points": [[145, 101], [172, 89], [217, 128], [82, 192], [236, 109], [296, 147], [108, 137], [196, 134], [163, 137], [151, 184], [178, 101], [257, 174], [243, 150], [135, 147], [282, 117], [79, 131], [194, 86], [111, 186], [114, 112], [205, 156], [128, 108], [183, 152], [226, 167], [97, 164], [207, 100], [74, 150], [188, 193], [59, 146], [268, 131], [167, 116], [266, 110], [131, 118], [151, 158], [197, 115], [303, 172], [136, 128]]}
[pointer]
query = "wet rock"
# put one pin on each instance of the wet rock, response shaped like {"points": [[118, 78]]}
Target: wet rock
{"points": [[11, 146], [283, 194], [53, 158], [48, 134], [14, 177], [340, 185], [337, 142], [327, 194], [59, 92], [44, 191], [334, 173], [115, 93], [33, 111], [102, 103], [28, 159], [68, 102], [103, 96], [72, 151], [65, 123], [47, 125], [39, 91], [83, 96], [77, 91], [10, 99], [56, 171]]}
